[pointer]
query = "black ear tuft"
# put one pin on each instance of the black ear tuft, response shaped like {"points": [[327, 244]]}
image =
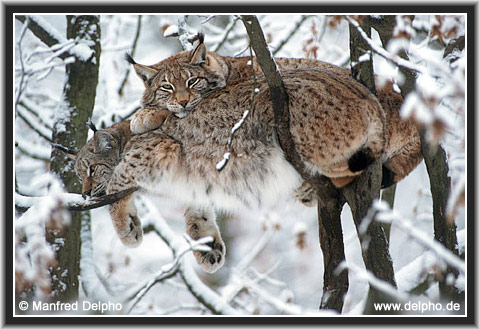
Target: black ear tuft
{"points": [[360, 160], [91, 125], [129, 59], [200, 37]]}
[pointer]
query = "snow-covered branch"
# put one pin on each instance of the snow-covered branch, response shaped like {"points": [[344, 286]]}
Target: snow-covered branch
{"points": [[380, 285], [73, 202], [382, 52], [51, 37], [210, 299], [385, 214], [171, 269]]}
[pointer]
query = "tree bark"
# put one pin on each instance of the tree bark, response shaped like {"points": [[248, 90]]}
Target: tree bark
{"points": [[361, 56], [71, 131], [329, 203], [366, 188]]}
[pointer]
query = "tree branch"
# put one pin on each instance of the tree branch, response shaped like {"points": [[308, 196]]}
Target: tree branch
{"points": [[278, 94], [329, 204], [134, 48], [290, 35], [23, 203], [42, 34], [207, 297]]}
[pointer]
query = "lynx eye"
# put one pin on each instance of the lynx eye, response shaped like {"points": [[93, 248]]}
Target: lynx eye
{"points": [[166, 87], [192, 81], [91, 170]]}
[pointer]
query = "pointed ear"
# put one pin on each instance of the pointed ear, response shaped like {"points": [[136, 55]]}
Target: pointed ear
{"points": [[145, 72], [199, 54], [104, 142]]}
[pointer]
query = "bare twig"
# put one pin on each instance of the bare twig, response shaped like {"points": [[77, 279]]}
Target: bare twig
{"points": [[290, 35], [30, 154], [134, 48], [32, 126], [227, 33], [22, 65], [33, 112], [171, 269]]}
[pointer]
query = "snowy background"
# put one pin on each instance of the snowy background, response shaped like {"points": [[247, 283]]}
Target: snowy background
{"points": [[273, 258]]}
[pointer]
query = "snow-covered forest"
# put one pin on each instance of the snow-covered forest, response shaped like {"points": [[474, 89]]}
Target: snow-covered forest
{"points": [[274, 263]]}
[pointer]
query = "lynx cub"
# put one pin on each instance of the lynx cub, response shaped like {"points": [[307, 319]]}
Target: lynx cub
{"points": [[177, 84], [94, 164]]}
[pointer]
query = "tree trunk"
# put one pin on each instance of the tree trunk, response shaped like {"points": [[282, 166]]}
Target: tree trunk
{"points": [[71, 131], [329, 203], [335, 284], [366, 188]]}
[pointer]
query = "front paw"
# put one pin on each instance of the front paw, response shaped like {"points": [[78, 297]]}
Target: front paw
{"points": [[133, 235], [212, 260], [137, 126], [148, 119]]}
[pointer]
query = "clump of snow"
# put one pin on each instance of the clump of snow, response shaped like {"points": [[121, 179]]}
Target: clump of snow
{"points": [[82, 51], [171, 31]]}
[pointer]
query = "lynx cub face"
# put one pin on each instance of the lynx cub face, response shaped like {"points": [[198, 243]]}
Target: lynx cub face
{"points": [[95, 162], [179, 83]]}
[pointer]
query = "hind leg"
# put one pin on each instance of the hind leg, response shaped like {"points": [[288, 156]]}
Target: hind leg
{"points": [[201, 223]]}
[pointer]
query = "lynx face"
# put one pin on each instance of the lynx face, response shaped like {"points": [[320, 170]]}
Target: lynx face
{"points": [[180, 82], [95, 162]]}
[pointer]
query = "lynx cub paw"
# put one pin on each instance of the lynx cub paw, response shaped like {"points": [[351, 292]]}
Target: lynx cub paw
{"points": [[200, 224], [126, 222], [147, 119], [134, 236]]}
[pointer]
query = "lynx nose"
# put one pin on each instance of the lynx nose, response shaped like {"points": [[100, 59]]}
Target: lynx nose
{"points": [[86, 193], [183, 103]]}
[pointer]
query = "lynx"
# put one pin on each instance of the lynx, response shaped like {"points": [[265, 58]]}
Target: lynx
{"points": [[179, 159], [177, 84], [94, 165], [400, 142]]}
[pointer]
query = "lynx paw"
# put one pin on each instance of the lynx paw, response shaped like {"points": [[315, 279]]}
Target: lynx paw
{"points": [[214, 259], [133, 235], [306, 194], [147, 119]]}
